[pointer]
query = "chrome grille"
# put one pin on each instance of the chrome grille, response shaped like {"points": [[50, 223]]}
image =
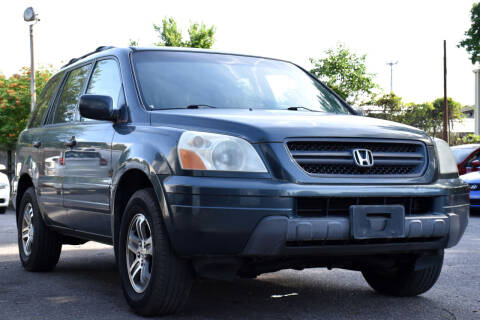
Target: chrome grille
{"points": [[334, 157]]}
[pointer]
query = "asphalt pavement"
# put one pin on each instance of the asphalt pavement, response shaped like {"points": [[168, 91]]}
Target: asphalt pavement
{"points": [[86, 285]]}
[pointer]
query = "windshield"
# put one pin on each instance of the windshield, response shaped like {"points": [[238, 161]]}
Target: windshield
{"points": [[172, 79], [461, 153]]}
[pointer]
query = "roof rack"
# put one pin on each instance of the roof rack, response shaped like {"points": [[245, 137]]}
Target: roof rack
{"points": [[99, 49]]}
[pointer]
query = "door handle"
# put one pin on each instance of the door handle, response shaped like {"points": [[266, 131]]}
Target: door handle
{"points": [[37, 143], [71, 143]]}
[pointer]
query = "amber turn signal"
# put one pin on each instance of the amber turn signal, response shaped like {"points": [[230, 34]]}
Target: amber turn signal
{"points": [[191, 161]]}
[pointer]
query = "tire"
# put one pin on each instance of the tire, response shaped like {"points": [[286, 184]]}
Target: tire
{"points": [[43, 251], [162, 285], [3, 210], [404, 281]]}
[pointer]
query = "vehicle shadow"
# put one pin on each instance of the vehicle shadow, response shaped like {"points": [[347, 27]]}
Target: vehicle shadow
{"points": [[86, 283]]}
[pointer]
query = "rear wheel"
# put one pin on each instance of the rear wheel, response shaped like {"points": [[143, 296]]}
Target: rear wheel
{"points": [[38, 246], [154, 280], [3, 210], [404, 281]]}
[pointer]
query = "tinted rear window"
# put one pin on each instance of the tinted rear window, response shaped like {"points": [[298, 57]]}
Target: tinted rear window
{"points": [[43, 101]]}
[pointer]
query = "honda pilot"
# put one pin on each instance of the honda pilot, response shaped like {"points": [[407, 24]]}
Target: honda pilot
{"points": [[201, 164]]}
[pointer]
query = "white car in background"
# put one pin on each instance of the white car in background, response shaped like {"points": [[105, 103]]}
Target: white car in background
{"points": [[4, 190]]}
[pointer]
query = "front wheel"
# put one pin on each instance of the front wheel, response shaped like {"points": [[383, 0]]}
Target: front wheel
{"points": [[404, 281], [3, 210], [154, 280]]}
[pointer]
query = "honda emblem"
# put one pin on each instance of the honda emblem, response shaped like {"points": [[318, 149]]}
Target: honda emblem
{"points": [[363, 158]]}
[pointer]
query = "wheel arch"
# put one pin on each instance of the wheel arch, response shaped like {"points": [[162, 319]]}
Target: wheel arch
{"points": [[24, 182], [132, 176]]}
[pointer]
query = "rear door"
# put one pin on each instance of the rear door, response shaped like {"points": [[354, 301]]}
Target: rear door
{"points": [[88, 165], [59, 130], [35, 136]]}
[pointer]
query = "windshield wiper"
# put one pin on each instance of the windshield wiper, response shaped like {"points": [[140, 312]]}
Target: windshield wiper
{"points": [[304, 108], [198, 106]]}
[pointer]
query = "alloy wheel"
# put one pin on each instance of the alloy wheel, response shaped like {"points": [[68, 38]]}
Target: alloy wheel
{"points": [[139, 253], [27, 229]]}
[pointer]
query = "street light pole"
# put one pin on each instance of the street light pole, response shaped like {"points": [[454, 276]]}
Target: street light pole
{"points": [[32, 71], [29, 15], [391, 64]]}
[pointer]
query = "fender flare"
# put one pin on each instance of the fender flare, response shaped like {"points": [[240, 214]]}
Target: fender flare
{"points": [[147, 169]]}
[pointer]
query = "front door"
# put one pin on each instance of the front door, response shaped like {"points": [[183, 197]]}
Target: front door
{"points": [[88, 159]]}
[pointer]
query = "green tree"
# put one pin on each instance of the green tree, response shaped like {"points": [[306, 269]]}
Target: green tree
{"points": [[346, 73], [426, 116], [471, 43], [200, 35], [421, 115], [15, 105], [454, 113], [391, 107]]}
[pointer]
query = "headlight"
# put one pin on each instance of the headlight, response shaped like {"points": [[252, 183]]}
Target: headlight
{"points": [[209, 151], [3, 185], [447, 163]]}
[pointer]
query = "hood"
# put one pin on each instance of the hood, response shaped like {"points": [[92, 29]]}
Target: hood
{"points": [[472, 177], [275, 125]]}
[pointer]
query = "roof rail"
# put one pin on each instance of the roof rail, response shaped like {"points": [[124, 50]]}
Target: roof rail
{"points": [[99, 49]]}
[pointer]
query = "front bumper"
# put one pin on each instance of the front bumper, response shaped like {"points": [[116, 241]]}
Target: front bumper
{"points": [[257, 217]]}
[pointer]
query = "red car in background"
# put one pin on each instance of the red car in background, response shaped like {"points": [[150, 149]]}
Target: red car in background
{"points": [[468, 157]]}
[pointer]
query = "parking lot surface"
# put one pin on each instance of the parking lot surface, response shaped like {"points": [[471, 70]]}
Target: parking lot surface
{"points": [[86, 285]]}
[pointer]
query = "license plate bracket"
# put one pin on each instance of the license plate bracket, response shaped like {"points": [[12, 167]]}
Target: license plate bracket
{"points": [[377, 221]]}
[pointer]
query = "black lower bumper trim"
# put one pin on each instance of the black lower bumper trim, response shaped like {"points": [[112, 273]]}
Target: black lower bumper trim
{"points": [[362, 249]]}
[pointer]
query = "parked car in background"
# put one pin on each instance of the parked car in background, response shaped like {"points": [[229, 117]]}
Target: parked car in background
{"points": [[4, 190], [195, 163], [467, 157], [473, 180]]}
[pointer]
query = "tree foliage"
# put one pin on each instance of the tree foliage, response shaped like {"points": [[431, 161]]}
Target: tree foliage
{"points": [[427, 116], [346, 73], [471, 43], [15, 103], [454, 112], [200, 35], [390, 108], [422, 116]]}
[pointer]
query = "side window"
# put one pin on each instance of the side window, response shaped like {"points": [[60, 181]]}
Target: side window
{"points": [[43, 101], [106, 80], [67, 103]]}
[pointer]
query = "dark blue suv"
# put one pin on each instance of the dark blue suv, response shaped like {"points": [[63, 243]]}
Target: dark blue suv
{"points": [[196, 163]]}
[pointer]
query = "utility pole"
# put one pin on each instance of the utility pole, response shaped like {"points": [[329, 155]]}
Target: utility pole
{"points": [[445, 102], [391, 64], [29, 15]]}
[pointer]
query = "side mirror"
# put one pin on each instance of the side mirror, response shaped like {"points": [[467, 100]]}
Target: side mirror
{"points": [[476, 163], [97, 107], [2, 167]]}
